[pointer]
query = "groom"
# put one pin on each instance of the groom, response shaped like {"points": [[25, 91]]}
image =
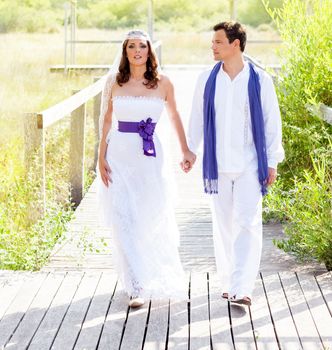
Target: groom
{"points": [[235, 111]]}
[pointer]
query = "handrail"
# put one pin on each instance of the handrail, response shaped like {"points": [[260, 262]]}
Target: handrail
{"points": [[65, 107]]}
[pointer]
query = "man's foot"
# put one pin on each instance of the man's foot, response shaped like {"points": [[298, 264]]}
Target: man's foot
{"points": [[224, 295], [136, 302], [241, 301]]}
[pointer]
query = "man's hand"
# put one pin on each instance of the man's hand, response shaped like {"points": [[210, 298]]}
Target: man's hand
{"points": [[188, 160], [272, 176]]}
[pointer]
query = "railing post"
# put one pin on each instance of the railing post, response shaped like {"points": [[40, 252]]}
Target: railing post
{"points": [[34, 158], [77, 143], [96, 113], [158, 52]]}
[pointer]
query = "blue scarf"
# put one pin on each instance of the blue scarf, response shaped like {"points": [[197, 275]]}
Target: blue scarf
{"points": [[210, 166]]}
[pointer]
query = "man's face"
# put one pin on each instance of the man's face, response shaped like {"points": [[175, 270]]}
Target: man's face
{"points": [[221, 47]]}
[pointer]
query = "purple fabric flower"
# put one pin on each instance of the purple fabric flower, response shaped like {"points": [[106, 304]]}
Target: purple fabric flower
{"points": [[146, 130]]}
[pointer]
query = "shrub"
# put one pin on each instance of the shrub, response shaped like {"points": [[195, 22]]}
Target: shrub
{"points": [[24, 242], [254, 13], [305, 78], [303, 198], [308, 209]]}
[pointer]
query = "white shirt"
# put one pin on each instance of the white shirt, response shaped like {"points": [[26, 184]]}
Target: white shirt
{"points": [[235, 146]]}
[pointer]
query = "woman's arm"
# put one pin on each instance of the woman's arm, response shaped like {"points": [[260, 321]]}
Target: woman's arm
{"points": [[189, 158], [104, 167]]}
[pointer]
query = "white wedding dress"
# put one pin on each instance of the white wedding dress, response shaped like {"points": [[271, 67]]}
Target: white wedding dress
{"points": [[137, 206]]}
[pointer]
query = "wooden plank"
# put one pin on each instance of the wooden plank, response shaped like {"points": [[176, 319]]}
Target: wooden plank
{"points": [[93, 323], [318, 308], [135, 328], [15, 313], [51, 323], [71, 325], [301, 314], [199, 312], [241, 325], [9, 287], [178, 338], [115, 322], [261, 319], [219, 317], [325, 284], [37, 310], [285, 329], [157, 326]]}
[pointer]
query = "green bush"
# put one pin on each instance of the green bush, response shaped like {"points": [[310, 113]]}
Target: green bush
{"points": [[254, 13], [303, 197], [305, 79], [178, 15], [25, 241], [112, 14], [308, 210], [29, 16]]}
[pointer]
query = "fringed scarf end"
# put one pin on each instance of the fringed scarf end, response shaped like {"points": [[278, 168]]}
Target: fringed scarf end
{"points": [[264, 189], [211, 186]]}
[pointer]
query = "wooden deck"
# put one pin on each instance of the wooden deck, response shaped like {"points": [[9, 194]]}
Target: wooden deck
{"points": [[85, 310], [75, 302]]}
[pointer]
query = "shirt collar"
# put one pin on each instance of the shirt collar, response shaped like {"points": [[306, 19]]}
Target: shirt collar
{"points": [[242, 73]]}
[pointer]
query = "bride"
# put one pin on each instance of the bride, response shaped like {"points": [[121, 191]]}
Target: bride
{"points": [[133, 185]]}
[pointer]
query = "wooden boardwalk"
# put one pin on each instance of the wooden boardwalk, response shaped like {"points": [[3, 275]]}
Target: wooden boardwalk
{"points": [[75, 302], [88, 310]]}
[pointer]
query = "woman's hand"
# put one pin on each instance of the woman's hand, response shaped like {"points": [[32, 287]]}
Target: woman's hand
{"points": [[105, 171], [188, 160]]}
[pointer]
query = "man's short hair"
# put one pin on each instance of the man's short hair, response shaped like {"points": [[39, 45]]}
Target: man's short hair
{"points": [[233, 30]]}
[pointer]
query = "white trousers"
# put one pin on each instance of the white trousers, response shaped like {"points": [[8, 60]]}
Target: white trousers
{"points": [[237, 231]]}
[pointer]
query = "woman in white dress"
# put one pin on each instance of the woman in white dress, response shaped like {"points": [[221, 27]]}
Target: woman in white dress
{"points": [[133, 188]]}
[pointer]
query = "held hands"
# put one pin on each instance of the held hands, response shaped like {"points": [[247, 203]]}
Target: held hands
{"points": [[188, 161], [105, 171]]}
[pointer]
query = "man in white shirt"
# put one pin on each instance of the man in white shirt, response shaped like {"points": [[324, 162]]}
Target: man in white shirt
{"points": [[241, 129]]}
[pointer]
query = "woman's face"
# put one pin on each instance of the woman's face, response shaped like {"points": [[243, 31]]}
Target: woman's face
{"points": [[137, 51]]}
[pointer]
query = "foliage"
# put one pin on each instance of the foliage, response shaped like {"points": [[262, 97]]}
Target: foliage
{"points": [[112, 14], [47, 15], [25, 242], [307, 73], [307, 207], [303, 198], [29, 16], [254, 13]]}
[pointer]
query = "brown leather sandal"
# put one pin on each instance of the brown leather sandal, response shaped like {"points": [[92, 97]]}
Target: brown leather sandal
{"points": [[241, 301]]}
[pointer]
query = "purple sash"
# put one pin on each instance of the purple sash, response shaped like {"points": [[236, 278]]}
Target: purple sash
{"points": [[145, 129]]}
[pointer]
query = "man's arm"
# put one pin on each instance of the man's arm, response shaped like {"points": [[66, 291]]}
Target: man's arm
{"points": [[195, 125], [272, 123]]}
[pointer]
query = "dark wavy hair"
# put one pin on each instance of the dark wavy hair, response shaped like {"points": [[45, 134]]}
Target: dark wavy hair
{"points": [[151, 73]]}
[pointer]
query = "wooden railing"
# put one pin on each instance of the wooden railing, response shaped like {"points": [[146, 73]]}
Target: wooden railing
{"points": [[36, 125]]}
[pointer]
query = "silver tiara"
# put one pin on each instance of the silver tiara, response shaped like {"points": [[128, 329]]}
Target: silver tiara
{"points": [[138, 34]]}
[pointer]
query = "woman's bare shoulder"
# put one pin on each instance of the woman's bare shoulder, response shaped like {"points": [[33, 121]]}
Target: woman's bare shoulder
{"points": [[165, 81]]}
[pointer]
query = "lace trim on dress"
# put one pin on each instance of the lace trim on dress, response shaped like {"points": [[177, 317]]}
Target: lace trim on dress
{"points": [[125, 97]]}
